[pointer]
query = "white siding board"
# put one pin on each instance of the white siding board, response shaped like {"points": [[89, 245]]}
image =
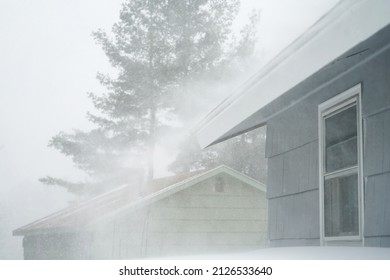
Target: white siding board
{"points": [[200, 220], [180, 250], [216, 200], [207, 214], [295, 242], [210, 239], [119, 238], [208, 189], [235, 218], [205, 226]]}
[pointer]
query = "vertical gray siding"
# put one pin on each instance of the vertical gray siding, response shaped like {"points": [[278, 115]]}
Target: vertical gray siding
{"points": [[377, 197], [377, 176], [294, 171], [292, 146], [294, 217], [382, 241], [377, 143]]}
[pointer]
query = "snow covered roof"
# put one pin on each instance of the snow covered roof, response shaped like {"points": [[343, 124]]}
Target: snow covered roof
{"points": [[121, 199], [349, 23]]}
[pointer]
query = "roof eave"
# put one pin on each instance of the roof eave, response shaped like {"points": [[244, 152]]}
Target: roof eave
{"points": [[34, 227], [346, 25], [149, 199]]}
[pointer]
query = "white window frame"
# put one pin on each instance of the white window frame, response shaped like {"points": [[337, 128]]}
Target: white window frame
{"points": [[333, 105]]}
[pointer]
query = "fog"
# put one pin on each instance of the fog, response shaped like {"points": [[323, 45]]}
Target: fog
{"points": [[48, 63]]}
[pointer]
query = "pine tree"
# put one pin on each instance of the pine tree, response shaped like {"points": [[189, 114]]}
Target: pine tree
{"points": [[245, 153], [157, 48]]}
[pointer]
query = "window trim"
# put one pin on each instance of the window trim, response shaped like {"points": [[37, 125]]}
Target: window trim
{"points": [[325, 110]]}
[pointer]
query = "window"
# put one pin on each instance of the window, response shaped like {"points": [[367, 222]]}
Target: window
{"points": [[340, 166]]}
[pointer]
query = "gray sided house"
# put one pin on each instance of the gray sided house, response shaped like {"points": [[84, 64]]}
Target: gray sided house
{"points": [[326, 103], [213, 211]]}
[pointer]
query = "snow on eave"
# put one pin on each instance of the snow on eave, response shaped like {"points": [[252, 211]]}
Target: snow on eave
{"points": [[343, 27]]}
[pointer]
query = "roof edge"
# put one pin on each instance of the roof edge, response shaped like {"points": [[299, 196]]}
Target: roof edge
{"points": [[188, 182], [348, 23], [149, 199]]}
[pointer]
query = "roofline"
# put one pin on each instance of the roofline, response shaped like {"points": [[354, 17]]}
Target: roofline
{"points": [[345, 25], [149, 199], [145, 200], [70, 210]]}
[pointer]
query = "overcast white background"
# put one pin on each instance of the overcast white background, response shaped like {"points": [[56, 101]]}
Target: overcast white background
{"points": [[48, 62]]}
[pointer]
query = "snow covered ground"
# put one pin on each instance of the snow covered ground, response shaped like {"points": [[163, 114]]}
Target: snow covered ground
{"points": [[301, 253]]}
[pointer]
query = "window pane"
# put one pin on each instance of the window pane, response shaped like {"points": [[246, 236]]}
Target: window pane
{"points": [[341, 206], [341, 140]]}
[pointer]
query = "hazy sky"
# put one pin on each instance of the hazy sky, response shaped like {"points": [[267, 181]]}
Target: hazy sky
{"points": [[48, 62]]}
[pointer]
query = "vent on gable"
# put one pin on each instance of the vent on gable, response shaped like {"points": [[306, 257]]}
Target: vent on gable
{"points": [[219, 185]]}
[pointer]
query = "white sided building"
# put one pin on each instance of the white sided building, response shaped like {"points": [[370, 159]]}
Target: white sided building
{"points": [[205, 212]]}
